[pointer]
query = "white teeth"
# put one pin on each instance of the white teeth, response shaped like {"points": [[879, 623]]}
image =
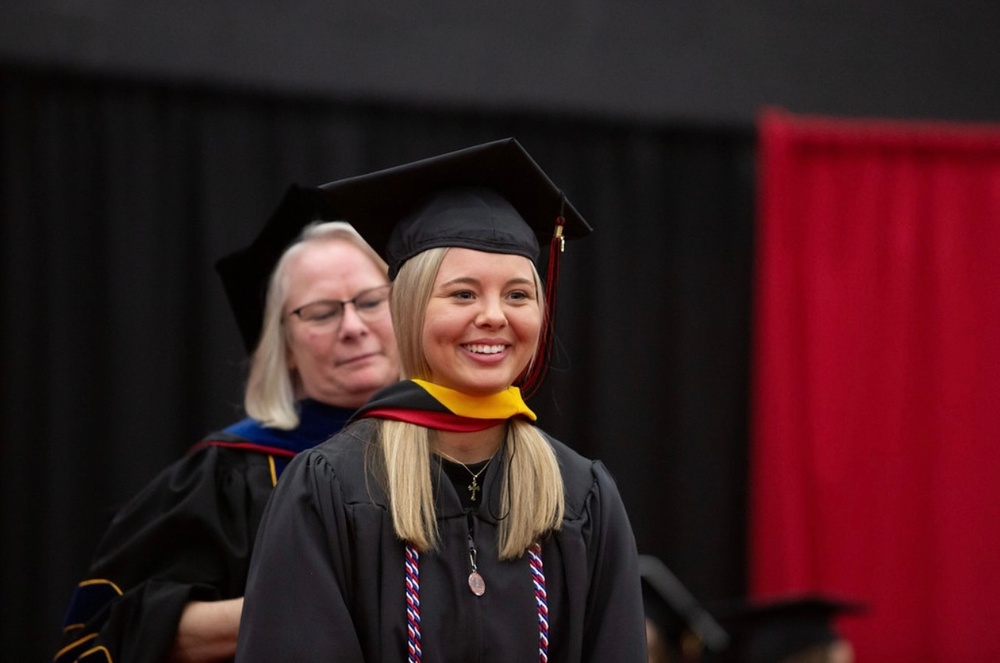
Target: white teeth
{"points": [[485, 349]]}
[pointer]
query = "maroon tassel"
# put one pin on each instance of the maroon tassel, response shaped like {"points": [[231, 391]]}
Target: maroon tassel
{"points": [[536, 374]]}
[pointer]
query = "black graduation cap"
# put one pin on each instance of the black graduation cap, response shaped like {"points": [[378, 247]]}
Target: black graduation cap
{"points": [[479, 197], [246, 272], [767, 631], [491, 197], [675, 611]]}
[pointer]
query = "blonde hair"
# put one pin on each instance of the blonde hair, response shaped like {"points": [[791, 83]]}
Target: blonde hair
{"points": [[272, 387], [532, 499]]}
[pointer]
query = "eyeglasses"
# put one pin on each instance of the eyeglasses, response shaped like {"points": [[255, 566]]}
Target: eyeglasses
{"points": [[367, 304]]}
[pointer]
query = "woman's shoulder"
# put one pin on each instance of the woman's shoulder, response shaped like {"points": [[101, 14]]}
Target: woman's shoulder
{"points": [[223, 455], [583, 478], [216, 456], [347, 445], [343, 459], [569, 458]]}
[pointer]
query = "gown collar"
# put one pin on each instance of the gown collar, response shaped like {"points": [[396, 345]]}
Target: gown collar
{"points": [[317, 422]]}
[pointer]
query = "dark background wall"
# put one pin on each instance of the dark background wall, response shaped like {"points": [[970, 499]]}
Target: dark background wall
{"points": [[138, 144], [715, 60]]}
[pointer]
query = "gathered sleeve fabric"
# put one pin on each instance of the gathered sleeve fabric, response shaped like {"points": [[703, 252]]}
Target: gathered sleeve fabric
{"points": [[187, 536], [613, 620]]}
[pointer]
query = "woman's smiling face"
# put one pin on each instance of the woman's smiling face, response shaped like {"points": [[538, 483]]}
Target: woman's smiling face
{"points": [[483, 321]]}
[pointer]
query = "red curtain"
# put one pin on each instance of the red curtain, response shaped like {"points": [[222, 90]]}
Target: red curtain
{"points": [[876, 388]]}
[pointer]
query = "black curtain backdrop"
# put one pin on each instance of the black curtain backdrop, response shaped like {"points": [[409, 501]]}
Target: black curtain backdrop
{"points": [[118, 351]]}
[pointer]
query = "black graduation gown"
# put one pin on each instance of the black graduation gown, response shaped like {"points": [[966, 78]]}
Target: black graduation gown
{"points": [[327, 578], [187, 536]]}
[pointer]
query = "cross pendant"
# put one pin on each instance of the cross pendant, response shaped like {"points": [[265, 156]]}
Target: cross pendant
{"points": [[473, 489]]}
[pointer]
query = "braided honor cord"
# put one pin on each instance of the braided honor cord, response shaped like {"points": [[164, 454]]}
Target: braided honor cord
{"points": [[413, 651], [413, 603], [541, 600]]}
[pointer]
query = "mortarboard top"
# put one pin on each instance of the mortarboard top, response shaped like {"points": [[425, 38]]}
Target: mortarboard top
{"points": [[767, 631], [245, 273], [675, 610], [477, 198]]}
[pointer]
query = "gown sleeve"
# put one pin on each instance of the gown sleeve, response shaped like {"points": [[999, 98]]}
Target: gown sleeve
{"points": [[187, 536], [296, 605], [614, 625]]}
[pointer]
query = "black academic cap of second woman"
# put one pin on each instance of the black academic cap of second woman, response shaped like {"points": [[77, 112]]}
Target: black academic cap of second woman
{"points": [[245, 273]]}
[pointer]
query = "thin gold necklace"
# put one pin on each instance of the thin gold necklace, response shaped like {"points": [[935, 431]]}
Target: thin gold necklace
{"points": [[473, 487]]}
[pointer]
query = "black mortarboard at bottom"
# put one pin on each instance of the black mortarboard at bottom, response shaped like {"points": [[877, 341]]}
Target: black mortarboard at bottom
{"points": [[767, 631], [675, 611]]}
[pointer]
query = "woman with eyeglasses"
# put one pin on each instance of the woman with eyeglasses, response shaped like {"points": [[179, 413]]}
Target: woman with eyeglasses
{"points": [[442, 524], [167, 580]]}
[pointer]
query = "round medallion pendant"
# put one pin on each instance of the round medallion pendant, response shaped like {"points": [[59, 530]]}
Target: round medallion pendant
{"points": [[477, 584]]}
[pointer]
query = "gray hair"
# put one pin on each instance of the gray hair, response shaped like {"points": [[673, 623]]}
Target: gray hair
{"points": [[271, 392]]}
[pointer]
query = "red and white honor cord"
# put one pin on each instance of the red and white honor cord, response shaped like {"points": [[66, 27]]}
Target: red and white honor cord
{"points": [[541, 600], [413, 649]]}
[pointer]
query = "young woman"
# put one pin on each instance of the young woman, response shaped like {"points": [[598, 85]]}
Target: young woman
{"points": [[442, 524]]}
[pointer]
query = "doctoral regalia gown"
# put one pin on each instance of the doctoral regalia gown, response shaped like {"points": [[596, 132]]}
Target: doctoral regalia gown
{"points": [[328, 577], [187, 536]]}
